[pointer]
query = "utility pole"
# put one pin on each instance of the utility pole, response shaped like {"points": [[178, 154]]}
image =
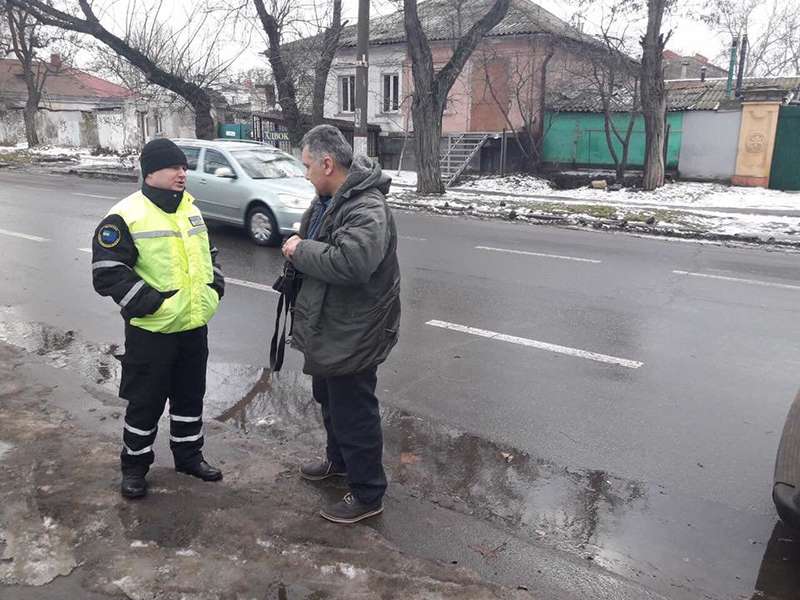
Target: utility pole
{"points": [[362, 76], [742, 63], [732, 68]]}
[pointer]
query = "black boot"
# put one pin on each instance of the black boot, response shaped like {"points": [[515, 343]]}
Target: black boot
{"points": [[201, 470], [133, 485]]}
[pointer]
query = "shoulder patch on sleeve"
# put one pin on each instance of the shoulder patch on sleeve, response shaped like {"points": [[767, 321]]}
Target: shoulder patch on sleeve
{"points": [[108, 236]]}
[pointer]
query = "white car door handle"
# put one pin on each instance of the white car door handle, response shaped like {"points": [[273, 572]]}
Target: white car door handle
{"points": [[203, 181]]}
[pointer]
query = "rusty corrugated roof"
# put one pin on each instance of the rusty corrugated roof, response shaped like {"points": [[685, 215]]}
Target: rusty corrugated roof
{"points": [[68, 83], [693, 94]]}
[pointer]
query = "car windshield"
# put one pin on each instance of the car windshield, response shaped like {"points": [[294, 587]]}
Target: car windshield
{"points": [[263, 164]]}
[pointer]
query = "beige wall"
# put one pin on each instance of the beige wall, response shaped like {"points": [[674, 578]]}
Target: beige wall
{"points": [[756, 143]]}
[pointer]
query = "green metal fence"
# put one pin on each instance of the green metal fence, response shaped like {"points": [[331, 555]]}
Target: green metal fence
{"points": [[579, 139], [785, 173]]}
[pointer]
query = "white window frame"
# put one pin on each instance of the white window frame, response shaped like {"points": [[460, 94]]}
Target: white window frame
{"points": [[390, 103], [347, 98]]}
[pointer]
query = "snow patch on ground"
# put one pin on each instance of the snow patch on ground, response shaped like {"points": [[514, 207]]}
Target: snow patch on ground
{"points": [[345, 569], [408, 178], [84, 157], [686, 193], [513, 184]]}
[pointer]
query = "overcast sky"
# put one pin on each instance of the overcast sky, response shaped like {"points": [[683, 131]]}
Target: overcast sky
{"points": [[689, 37]]}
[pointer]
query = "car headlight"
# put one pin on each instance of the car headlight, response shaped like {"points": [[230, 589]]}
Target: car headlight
{"points": [[292, 201]]}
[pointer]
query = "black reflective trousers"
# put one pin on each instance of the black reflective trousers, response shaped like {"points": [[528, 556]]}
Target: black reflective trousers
{"points": [[157, 367]]}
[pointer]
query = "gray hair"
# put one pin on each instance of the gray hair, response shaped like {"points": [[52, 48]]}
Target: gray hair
{"points": [[327, 139]]}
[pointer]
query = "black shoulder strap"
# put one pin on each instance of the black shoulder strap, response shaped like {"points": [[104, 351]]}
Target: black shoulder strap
{"points": [[288, 288]]}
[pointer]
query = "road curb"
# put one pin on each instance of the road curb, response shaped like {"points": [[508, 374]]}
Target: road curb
{"points": [[101, 174]]}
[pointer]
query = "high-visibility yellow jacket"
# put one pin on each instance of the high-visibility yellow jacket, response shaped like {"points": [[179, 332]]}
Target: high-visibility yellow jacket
{"points": [[172, 255]]}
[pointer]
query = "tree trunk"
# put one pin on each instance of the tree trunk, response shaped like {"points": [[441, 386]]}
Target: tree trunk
{"points": [[537, 146], [431, 89], [203, 121], [425, 109], [286, 91], [607, 125], [654, 99], [626, 144], [323, 66], [29, 115]]}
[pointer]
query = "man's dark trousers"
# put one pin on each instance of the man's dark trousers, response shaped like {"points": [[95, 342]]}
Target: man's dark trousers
{"points": [[353, 424], [157, 366]]}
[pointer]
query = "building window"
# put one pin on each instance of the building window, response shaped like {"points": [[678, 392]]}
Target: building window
{"points": [[143, 129], [159, 124], [391, 92], [347, 93]]}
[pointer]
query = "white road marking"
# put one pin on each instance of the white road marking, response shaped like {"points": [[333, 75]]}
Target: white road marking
{"points": [[94, 196], [413, 239], [784, 286], [573, 258], [604, 358], [24, 236], [250, 284], [89, 250]]}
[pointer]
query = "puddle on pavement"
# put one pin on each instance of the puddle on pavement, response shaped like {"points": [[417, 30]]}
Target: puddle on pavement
{"points": [[4, 447], [684, 546], [63, 349]]}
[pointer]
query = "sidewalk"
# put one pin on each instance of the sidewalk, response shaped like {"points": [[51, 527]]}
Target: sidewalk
{"points": [[255, 535], [65, 529]]}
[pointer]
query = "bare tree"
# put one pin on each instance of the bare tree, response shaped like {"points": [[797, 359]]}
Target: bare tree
{"points": [[654, 95], [608, 74], [618, 87], [277, 18], [520, 95], [26, 38], [771, 29], [431, 88], [165, 55]]}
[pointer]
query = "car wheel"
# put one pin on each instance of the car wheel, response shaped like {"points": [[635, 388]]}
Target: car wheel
{"points": [[262, 227]]}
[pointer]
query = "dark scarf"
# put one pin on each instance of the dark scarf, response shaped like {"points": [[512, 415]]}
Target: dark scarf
{"points": [[166, 200]]}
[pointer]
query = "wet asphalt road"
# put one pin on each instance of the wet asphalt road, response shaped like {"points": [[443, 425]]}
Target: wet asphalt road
{"points": [[675, 445]]}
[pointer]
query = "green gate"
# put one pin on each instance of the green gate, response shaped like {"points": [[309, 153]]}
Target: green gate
{"points": [[785, 173]]}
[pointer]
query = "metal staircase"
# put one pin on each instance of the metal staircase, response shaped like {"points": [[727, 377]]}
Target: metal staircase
{"points": [[461, 149]]}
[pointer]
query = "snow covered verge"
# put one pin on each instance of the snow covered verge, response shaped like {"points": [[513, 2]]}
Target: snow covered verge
{"points": [[62, 156], [684, 209]]}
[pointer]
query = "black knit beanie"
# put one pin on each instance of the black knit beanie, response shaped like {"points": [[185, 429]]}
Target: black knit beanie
{"points": [[161, 153]]}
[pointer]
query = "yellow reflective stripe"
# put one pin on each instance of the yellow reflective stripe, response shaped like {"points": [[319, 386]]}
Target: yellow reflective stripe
{"points": [[198, 229], [155, 234]]}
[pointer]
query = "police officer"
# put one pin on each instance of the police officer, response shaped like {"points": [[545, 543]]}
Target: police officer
{"points": [[152, 255]]}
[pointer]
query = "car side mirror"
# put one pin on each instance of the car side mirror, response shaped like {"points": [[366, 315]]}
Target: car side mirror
{"points": [[224, 172]]}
